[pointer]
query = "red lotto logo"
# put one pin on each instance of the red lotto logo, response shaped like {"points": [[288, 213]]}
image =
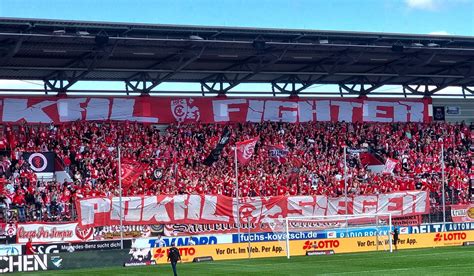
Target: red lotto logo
{"points": [[323, 244], [159, 253], [450, 236], [307, 245]]}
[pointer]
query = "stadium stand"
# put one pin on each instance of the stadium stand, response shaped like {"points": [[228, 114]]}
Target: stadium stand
{"points": [[172, 161]]}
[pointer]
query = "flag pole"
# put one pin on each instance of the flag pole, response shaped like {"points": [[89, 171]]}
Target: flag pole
{"points": [[442, 184], [345, 177], [237, 192], [345, 187], [120, 196]]}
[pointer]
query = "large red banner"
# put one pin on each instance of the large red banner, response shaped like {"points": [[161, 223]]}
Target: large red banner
{"points": [[462, 213], [205, 209], [209, 110]]}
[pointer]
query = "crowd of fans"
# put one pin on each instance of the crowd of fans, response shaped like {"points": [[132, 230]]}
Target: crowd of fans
{"points": [[172, 161]]}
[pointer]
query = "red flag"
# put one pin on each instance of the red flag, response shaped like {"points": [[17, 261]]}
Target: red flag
{"points": [[131, 171], [245, 150]]}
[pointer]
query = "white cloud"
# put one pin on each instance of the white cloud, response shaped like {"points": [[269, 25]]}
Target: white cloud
{"points": [[440, 33], [422, 4], [434, 5]]}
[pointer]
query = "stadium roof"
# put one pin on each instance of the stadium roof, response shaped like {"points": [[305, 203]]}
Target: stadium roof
{"points": [[142, 56]]}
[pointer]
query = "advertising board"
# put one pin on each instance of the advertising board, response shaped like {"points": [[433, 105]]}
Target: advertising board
{"points": [[302, 247], [23, 263], [182, 241], [79, 246]]}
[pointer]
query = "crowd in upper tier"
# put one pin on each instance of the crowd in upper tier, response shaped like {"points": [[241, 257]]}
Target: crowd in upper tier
{"points": [[173, 161]]}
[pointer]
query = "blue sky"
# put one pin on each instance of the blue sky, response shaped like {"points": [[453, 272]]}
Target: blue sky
{"points": [[402, 16]]}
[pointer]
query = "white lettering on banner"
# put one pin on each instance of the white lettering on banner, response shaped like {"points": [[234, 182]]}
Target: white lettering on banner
{"points": [[17, 109], [301, 206], [209, 211], [346, 110], [221, 109], [98, 109], [337, 206], [154, 210], [419, 199], [70, 110], [203, 209], [307, 110], [307, 206], [122, 110], [206, 110], [412, 112], [179, 205], [365, 204], [380, 111], [133, 210], [194, 207], [280, 111], [91, 207], [375, 114], [255, 111], [391, 203]]}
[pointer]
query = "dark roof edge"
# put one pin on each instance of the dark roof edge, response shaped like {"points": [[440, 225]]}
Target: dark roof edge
{"points": [[197, 28]]}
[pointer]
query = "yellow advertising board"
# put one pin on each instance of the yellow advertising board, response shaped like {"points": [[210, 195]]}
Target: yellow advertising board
{"points": [[234, 251], [230, 251], [362, 244]]}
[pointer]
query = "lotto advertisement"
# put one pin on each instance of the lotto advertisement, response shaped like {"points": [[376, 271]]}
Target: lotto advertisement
{"points": [[222, 251], [299, 247]]}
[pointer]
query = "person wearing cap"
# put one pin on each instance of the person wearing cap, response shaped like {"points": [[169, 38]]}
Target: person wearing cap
{"points": [[174, 257]]}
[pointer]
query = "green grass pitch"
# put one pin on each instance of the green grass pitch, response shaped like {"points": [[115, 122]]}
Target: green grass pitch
{"points": [[432, 261]]}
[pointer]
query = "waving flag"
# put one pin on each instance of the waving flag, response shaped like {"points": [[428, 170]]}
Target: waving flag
{"points": [[390, 165], [131, 171], [245, 150], [278, 153], [216, 152]]}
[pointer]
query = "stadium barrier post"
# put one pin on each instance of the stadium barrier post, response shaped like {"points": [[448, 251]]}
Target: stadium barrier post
{"points": [[390, 231], [377, 232], [345, 185], [442, 185], [345, 177], [287, 238], [248, 237], [120, 196], [237, 192]]}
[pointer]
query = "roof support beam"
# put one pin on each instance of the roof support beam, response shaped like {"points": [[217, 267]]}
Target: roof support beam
{"points": [[147, 83], [224, 87], [59, 81]]}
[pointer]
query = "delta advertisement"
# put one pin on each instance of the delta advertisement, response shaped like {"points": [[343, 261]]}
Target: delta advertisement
{"points": [[301, 247]]}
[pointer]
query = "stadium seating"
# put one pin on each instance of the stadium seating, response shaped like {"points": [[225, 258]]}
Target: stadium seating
{"points": [[173, 161]]}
